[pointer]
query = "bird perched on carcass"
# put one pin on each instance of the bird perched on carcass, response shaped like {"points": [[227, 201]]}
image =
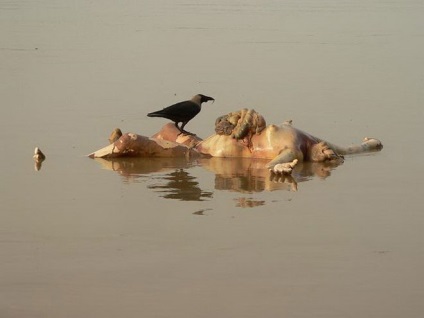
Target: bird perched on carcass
{"points": [[183, 112]]}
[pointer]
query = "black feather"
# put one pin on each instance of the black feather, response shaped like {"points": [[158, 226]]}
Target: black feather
{"points": [[182, 112]]}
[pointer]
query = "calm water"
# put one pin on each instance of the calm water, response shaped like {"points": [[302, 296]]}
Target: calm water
{"points": [[210, 238]]}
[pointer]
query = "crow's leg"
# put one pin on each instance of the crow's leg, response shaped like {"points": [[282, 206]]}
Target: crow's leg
{"points": [[178, 127], [185, 131]]}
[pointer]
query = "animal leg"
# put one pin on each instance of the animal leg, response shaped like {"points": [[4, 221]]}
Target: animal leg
{"points": [[367, 145], [178, 127], [322, 152], [285, 156]]}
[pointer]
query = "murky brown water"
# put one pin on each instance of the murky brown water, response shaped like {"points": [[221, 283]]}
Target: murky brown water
{"points": [[210, 238]]}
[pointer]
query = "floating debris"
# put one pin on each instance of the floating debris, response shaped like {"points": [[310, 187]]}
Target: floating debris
{"points": [[39, 157]]}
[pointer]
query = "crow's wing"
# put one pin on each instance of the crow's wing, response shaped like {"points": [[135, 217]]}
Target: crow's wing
{"points": [[180, 112]]}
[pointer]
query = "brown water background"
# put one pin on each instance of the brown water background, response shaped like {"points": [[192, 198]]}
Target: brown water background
{"points": [[167, 238]]}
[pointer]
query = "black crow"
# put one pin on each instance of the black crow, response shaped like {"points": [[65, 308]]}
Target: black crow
{"points": [[182, 112]]}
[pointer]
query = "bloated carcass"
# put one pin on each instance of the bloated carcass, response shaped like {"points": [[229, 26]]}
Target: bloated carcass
{"points": [[239, 134]]}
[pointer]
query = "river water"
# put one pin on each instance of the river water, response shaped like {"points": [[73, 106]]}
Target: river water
{"points": [[210, 238]]}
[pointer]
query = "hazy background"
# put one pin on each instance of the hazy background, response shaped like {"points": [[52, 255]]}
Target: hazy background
{"points": [[177, 239]]}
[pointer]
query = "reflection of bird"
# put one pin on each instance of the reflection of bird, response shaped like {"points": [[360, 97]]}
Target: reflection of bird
{"points": [[182, 112], [182, 186]]}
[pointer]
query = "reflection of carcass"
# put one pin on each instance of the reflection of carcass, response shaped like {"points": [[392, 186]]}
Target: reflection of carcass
{"points": [[130, 166], [171, 179], [241, 134], [245, 175], [248, 202], [169, 175]]}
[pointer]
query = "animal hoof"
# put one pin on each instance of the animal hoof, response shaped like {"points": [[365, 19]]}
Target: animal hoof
{"points": [[284, 168], [372, 144]]}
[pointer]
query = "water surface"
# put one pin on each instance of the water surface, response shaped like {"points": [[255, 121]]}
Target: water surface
{"points": [[208, 238]]}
